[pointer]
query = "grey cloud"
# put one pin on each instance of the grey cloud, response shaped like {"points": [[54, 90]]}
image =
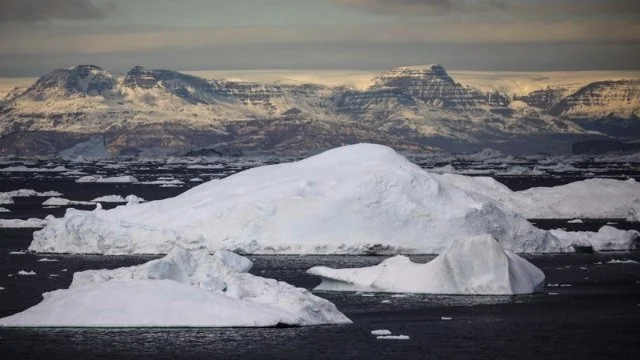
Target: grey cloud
{"points": [[43, 10], [422, 7], [524, 9]]}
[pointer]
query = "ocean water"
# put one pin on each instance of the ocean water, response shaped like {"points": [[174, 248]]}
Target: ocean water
{"points": [[590, 310]]}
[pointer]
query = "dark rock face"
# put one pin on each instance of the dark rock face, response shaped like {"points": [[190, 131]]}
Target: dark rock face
{"points": [[190, 88], [598, 97], [375, 104], [544, 99], [432, 85]]}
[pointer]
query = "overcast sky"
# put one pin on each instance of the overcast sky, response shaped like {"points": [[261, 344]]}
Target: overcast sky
{"points": [[39, 35]]}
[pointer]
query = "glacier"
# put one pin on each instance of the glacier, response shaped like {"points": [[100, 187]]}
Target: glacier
{"points": [[186, 288]]}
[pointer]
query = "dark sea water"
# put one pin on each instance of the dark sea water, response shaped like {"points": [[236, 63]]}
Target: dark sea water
{"points": [[589, 310]]}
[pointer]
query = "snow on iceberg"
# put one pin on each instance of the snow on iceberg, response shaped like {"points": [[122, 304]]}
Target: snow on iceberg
{"points": [[587, 199], [472, 266], [352, 200], [183, 289]]}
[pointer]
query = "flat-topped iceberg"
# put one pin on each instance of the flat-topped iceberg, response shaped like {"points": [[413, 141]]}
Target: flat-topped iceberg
{"points": [[183, 289], [593, 198], [472, 266], [352, 200]]}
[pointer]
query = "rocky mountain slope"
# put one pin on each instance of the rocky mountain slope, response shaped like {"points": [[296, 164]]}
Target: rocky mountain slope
{"points": [[410, 108]]}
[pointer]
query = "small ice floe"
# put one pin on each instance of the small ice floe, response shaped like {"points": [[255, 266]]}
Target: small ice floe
{"points": [[58, 201], [381, 332], [584, 268], [393, 337], [552, 285], [47, 260], [565, 285], [130, 199], [4, 210], [385, 302], [21, 252], [1, 288], [19, 223], [165, 183], [64, 270], [53, 275], [575, 221], [26, 273], [611, 223], [196, 179], [629, 261], [400, 295], [126, 179], [552, 293], [445, 318]]}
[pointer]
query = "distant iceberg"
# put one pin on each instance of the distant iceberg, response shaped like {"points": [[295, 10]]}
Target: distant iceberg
{"points": [[472, 266], [183, 289]]}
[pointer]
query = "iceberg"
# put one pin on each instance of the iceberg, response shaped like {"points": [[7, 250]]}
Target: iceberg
{"points": [[29, 223], [472, 266], [607, 238], [587, 199], [357, 199], [183, 289], [125, 179]]}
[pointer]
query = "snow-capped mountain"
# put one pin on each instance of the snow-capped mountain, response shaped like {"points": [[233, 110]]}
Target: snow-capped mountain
{"points": [[409, 108]]}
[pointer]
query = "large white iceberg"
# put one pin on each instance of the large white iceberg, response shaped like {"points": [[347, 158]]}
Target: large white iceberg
{"points": [[472, 266], [593, 198], [183, 289], [355, 199]]}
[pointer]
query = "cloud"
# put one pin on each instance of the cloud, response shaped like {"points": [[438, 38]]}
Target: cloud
{"points": [[423, 7], [46, 39], [517, 8], [43, 10]]}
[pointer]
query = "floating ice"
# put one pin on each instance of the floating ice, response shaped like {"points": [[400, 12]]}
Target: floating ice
{"points": [[352, 200], [36, 169], [607, 238], [380, 332], [26, 273], [393, 337], [183, 289], [477, 265], [588, 199], [126, 179], [629, 261], [29, 223], [130, 199], [57, 201]]}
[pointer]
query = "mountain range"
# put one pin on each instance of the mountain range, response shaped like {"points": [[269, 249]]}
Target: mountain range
{"points": [[414, 108]]}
